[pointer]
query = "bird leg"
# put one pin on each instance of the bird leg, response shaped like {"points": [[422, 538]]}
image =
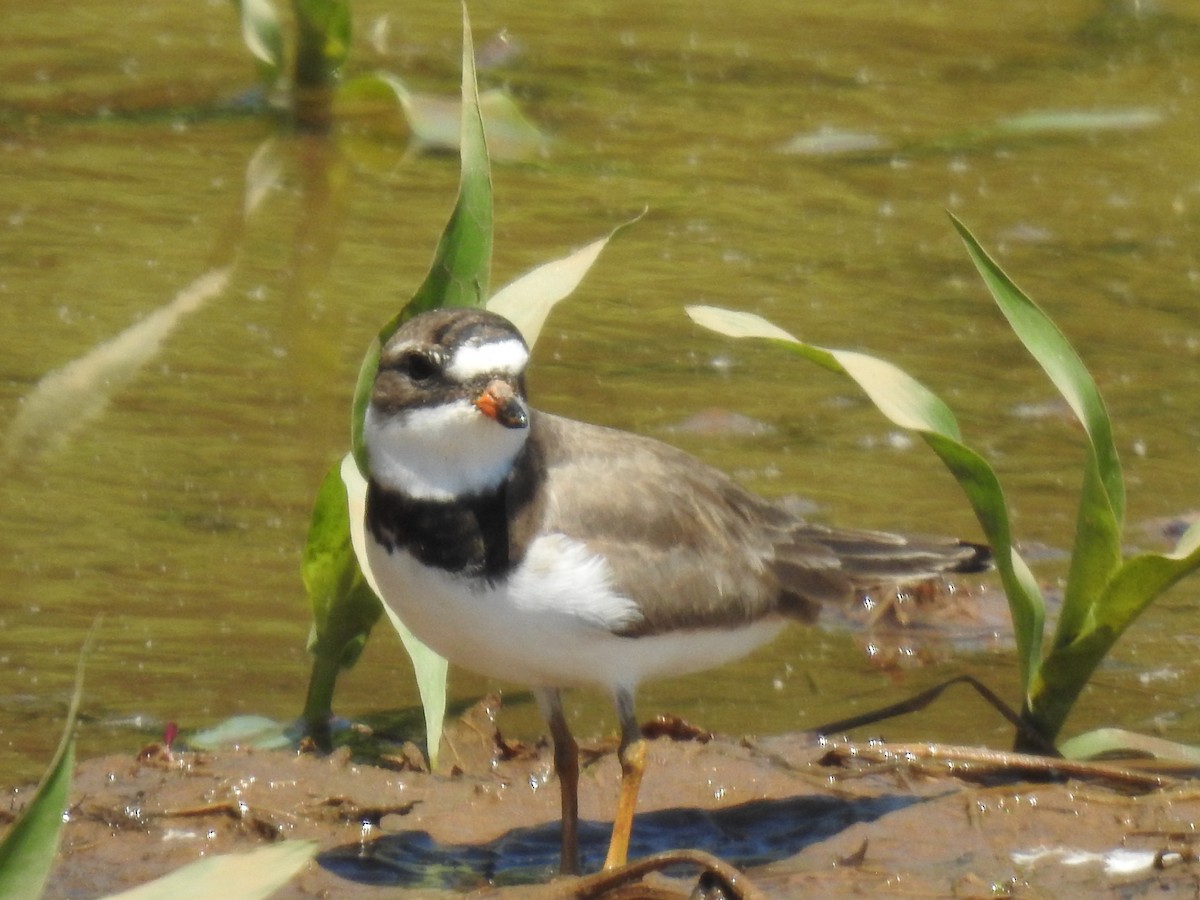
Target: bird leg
{"points": [[632, 754], [566, 767]]}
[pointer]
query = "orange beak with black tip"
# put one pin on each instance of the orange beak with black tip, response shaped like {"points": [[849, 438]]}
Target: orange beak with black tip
{"points": [[500, 403]]}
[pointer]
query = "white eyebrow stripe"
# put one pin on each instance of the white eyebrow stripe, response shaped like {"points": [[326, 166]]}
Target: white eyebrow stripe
{"points": [[472, 360]]}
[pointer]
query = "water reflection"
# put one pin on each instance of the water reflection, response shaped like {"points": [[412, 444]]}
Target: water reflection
{"points": [[67, 400], [175, 463]]}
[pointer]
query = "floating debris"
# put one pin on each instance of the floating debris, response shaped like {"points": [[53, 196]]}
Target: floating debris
{"points": [[834, 142]]}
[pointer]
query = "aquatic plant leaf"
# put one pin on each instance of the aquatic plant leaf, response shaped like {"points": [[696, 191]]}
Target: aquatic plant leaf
{"points": [[911, 405], [833, 142], [30, 845], [1097, 550], [325, 26], [435, 120], [458, 276], [1104, 593], [1133, 587], [257, 732], [262, 35], [1081, 121], [527, 301], [1118, 742], [248, 876], [1092, 617], [344, 606], [429, 668], [262, 175], [461, 264]]}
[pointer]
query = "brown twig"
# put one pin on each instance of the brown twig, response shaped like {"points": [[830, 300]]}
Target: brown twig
{"points": [[982, 760], [735, 885]]}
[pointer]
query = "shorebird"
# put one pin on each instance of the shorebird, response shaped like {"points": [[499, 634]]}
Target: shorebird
{"points": [[541, 550]]}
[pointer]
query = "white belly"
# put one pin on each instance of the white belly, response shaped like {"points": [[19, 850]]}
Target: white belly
{"points": [[550, 623]]}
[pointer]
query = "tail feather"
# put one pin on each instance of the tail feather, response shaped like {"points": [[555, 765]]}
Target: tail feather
{"points": [[868, 558]]}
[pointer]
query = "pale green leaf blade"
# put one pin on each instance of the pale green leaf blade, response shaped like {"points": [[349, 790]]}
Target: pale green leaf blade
{"points": [[247, 876], [911, 405], [262, 174], [736, 324], [527, 301], [243, 731], [1106, 742], [1081, 121], [429, 668], [361, 400], [900, 397], [29, 847], [435, 121], [511, 137], [262, 33]]}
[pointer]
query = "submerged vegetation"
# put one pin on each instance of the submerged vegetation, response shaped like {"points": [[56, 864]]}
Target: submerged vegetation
{"points": [[308, 81]]}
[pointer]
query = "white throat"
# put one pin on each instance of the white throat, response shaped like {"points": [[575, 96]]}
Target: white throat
{"points": [[440, 452]]}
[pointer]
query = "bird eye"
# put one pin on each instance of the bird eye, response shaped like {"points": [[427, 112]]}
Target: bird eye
{"points": [[419, 366]]}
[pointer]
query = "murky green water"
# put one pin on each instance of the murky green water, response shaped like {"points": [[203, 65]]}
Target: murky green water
{"points": [[165, 480]]}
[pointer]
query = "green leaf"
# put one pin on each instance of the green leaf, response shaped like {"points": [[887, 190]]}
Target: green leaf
{"points": [[1110, 742], [461, 264], [429, 668], [911, 405], [324, 39], [262, 34], [1081, 121], [30, 845], [344, 607], [527, 301], [458, 276], [1088, 624], [1134, 586], [248, 731], [248, 876], [1097, 551]]}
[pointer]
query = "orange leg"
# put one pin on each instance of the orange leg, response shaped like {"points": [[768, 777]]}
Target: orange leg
{"points": [[632, 754]]}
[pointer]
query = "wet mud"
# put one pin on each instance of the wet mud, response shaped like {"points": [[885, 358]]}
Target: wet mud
{"points": [[798, 816]]}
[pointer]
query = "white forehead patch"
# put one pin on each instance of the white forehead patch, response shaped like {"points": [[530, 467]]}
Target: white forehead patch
{"points": [[472, 360]]}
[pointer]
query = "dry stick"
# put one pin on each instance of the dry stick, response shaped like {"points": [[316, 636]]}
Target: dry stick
{"points": [[923, 699], [596, 886], [999, 761]]}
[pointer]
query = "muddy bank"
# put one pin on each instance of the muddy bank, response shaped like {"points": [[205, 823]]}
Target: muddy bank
{"points": [[800, 818]]}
